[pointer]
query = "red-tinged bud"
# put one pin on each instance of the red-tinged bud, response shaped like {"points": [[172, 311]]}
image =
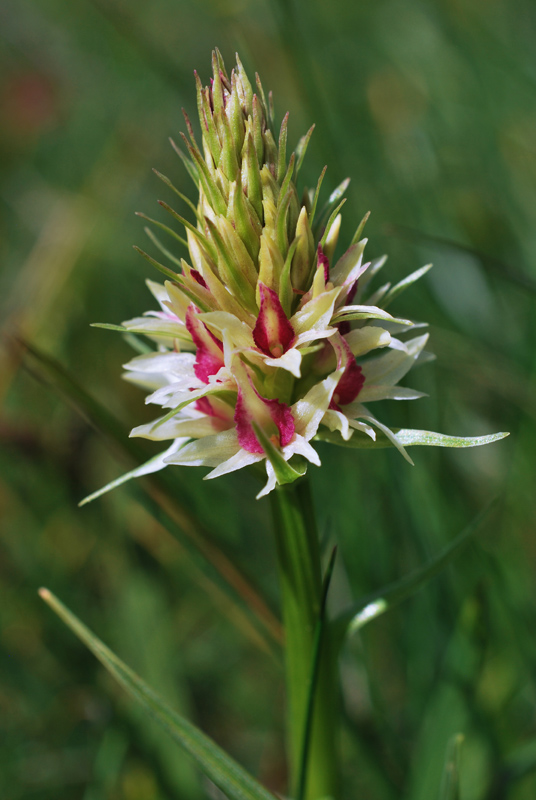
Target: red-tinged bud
{"points": [[209, 356], [323, 261], [273, 333], [198, 278], [273, 417], [352, 379]]}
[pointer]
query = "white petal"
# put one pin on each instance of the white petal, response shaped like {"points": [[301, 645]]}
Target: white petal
{"points": [[363, 340], [237, 461], [391, 367], [291, 361], [308, 411], [162, 362], [208, 452], [270, 483], [337, 421], [173, 428], [223, 321], [390, 435], [316, 314], [145, 380], [300, 446], [368, 394], [159, 293]]}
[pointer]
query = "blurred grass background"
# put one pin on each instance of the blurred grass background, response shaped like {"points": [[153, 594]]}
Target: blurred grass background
{"points": [[430, 107]]}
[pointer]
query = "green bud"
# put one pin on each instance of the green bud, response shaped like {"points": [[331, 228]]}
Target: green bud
{"points": [[304, 255], [245, 220]]}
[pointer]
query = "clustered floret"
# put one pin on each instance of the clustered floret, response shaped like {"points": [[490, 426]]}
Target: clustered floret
{"points": [[260, 336]]}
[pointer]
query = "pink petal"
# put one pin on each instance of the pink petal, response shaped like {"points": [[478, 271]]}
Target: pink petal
{"points": [[273, 417], [209, 356], [323, 260], [273, 334]]}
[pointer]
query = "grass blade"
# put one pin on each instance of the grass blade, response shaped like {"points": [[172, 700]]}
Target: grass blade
{"points": [[222, 770], [372, 606], [450, 784]]}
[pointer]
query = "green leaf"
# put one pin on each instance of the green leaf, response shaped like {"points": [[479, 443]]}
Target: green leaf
{"points": [[169, 273], [301, 148], [405, 284], [450, 784], [283, 471], [366, 312], [357, 235], [407, 437], [222, 770], [377, 603], [315, 669]]}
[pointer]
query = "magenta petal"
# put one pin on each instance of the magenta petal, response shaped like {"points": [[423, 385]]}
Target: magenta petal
{"points": [[323, 261], [273, 334], [352, 379], [196, 275], [209, 356], [273, 417]]}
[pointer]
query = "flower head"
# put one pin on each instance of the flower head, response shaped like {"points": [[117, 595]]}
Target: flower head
{"points": [[264, 340]]}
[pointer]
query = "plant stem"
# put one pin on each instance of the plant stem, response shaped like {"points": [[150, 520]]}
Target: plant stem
{"points": [[301, 598]]}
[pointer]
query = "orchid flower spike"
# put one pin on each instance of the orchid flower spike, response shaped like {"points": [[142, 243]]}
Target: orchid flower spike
{"points": [[263, 341]]}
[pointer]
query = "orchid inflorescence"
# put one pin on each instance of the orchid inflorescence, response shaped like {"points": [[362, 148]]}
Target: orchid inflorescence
{"points": [[260, 337]]}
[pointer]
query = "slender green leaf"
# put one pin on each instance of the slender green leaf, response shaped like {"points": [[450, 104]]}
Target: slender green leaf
{"points": [[450, 784], [301, 148], [283, 471], [377, 603], [157, 243], [316, 196], [407, 437], [315, 668], [222, 770], [169, 273], [405, 284], [357, 235]]}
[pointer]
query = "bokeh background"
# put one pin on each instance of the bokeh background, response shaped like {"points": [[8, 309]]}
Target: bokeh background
{"points": [[430, 108]]}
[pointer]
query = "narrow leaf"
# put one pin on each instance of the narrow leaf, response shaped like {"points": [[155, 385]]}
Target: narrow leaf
{"points": [[169, 273], [182, 196], [157, 243], [163, 227], [408, 437], [315, 669], [377, 603], [301, 148], [404, 284], [316, 196], [219, 767], [357, 235]]}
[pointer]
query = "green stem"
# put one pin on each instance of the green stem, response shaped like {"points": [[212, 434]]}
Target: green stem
{"points": [[301, 598]]}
